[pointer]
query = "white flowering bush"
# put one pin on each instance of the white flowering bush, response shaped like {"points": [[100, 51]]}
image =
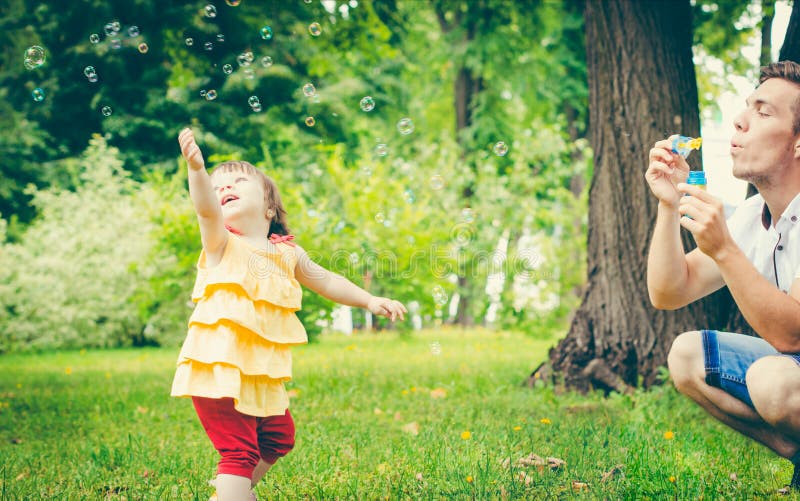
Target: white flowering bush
{"points": [[69, 281]]}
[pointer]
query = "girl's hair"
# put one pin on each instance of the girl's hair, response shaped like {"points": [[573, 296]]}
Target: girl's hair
{"points": [[272, 199]]}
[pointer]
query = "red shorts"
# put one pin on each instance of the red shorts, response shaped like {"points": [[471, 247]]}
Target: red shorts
{"points": [[242, 440]]}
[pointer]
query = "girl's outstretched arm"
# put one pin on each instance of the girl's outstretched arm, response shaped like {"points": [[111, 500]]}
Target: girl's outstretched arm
{"points": [[341, 290], [209, 212]]}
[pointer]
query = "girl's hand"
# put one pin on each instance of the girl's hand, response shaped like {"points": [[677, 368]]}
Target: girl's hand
{"points": [[385, 307], [191, 152]]}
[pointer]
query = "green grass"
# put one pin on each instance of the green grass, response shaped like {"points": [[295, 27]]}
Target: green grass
{"points": [[101, 424]]}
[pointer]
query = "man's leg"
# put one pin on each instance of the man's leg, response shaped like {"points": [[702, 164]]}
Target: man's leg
{"points": [[687, 367], [774, 385]]}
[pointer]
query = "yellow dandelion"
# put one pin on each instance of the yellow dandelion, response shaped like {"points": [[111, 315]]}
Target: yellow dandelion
{"points": [[517, 428], [404, 392], [68, 371], [669, 435], [544, 420], [83, 352], [108, 375], [470, 479], [466, 435], [672, 479], [413, 389]]}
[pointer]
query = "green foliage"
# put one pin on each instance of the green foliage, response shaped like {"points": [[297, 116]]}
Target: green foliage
{"points": [[377, 417], [69, 281]]}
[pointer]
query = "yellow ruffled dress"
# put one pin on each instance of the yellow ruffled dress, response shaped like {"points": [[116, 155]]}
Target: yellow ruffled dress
{"points": [[242, 329]]}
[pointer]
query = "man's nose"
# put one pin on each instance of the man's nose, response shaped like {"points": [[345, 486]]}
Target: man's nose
{"points": [[740, 122]]}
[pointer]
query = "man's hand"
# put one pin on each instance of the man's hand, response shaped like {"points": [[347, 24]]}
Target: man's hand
{"points": [[665, 171], [385, 307], [707, 222], [191, 152]]}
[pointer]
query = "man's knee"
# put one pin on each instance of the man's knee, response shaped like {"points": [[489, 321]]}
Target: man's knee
{"points": [[773, 383], [685, 360]]}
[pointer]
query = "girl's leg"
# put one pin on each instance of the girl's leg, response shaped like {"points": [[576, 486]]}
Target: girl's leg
{"points": [[275, 440], [235, 438]]}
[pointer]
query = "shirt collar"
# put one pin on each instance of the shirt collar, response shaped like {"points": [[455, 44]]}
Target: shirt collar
{"points": [[791, 213]]}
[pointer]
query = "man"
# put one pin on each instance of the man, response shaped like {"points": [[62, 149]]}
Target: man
{"points": [[751, 384]]}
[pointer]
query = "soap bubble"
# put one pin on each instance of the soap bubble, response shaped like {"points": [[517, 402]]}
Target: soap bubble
{"points": [[266, 33], [116, 43], [380, 217], [253, 101], [233, 3], [405, 126], [220, 37], [266, 61], [245, 58], [309, 90], [467, 215], [111, 29], [257, 107], [500, 148], [143, 48], [133, 31], [408, 196], [202, 93], [89, 70], [439, 295], [34, 57], [315, 29], [208, 46], [367, 103], [211, 11], [211, 95], [227, 69], [38, 94], [106, 111], [436, 182], [436, 348], [310, 121], [189, 41], [94, 38], [366, 170], [307, 1], [381, 149]]}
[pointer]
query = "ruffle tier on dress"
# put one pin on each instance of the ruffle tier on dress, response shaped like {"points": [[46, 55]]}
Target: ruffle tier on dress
{"points": [[242, 329]]}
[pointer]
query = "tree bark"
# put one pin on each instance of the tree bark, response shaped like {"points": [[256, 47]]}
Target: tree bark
{"points": [[790, 50], [641, 84]]}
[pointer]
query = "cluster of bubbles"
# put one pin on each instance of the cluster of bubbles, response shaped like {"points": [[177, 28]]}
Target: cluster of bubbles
{"points": [[254, 103], [34, 57]]}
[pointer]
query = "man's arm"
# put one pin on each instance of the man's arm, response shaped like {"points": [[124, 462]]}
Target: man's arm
{"points": [[774, 316], [674, 279]]}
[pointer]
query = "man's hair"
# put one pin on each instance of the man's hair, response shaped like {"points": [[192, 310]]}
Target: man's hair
{"points": [[786, 70], [272, 198]]}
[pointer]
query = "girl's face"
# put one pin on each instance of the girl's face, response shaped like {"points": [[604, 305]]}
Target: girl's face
{"points": [[241, 195]]}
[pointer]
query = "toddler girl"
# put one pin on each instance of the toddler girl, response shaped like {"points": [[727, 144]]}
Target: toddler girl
{"points": [[235, 359]]}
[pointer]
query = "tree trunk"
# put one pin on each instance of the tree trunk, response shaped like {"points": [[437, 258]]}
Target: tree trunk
{"points": [[642, 88], [790, 50]]}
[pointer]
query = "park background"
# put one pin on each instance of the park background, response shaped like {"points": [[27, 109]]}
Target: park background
{"points": [[493, 181]]}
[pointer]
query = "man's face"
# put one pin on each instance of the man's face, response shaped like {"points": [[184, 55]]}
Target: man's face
{"points": [[764, 142]]}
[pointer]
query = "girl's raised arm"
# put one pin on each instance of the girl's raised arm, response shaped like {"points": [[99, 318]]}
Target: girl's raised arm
{"points": [[206, 205]]}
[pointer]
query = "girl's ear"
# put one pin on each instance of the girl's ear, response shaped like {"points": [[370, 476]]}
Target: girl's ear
{"points": [[270, 214]]}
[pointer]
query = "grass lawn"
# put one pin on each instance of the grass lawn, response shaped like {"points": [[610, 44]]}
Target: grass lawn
{"points": [[378, 417]]}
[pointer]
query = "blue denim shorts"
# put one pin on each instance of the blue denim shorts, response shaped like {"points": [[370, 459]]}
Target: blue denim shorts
{"points": [[728, 356]]}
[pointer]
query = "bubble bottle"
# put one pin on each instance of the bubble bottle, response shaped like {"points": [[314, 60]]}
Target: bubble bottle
{"points": [[697, 178]]}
